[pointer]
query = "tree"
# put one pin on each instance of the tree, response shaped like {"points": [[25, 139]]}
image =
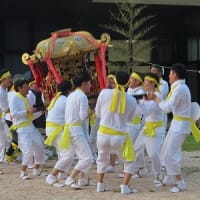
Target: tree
{"points": [[129, 22]]}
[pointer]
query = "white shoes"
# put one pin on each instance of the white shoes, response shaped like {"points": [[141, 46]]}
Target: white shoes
{"points": [[157, 182], [71, 182], [100, 187], [50, 180], [179, 187], [24, 176], [126, 190]]}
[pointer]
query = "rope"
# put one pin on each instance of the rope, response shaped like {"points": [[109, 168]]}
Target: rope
{"points": [[149, 63]]}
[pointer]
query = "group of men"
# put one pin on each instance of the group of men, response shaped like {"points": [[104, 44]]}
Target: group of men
{"points": [[128, 122]]}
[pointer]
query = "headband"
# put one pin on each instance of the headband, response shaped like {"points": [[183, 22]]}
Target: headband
{"points": [[136, 76], [5, 75]]}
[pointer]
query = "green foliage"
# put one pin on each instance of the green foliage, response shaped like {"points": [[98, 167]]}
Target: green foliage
{"points": [[130, 21], [190, 144]]}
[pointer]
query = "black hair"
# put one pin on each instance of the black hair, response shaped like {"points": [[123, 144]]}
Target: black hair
{"points": [[30, 80], [152, 75], [64, 87], [80, 78], [4, 70], [17, 77], [19, 83], [180, 70], [122, 77], [157, 67]]}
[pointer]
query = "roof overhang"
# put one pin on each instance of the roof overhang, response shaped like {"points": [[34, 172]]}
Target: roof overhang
{"points": [[156, 2]]}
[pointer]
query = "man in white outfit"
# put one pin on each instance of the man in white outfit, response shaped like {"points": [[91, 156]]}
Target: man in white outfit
{"points": [[29, 140], [164, 90], [54, 128], [113, 157], [115, 108], [3, 137], [152, 135], [178, 102], [73, 139], [135, 88], [5, 84]]}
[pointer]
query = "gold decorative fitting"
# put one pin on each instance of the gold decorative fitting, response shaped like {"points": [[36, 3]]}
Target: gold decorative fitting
{"points": [[25, 57]]}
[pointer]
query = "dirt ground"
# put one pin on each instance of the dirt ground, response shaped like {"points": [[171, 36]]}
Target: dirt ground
{"points": [[13, 188]]}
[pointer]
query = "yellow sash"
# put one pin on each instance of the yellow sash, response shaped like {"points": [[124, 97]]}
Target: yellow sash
{"points": [[20, 125], [121, 97], [170, 92], [29, 116], [53, 101], [194, 129], [53, 135], [150, 128], [65, 139], [128, 149], [93, 119], [136, 120]]}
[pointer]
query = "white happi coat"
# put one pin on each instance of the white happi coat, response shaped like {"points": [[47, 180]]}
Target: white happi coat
{"points": [[152, 113], [179, 103], [164, 90], [4, 140], [76, 110], [114, 120], [4, 103], [29, 138], [57, 115], [134, 129]]}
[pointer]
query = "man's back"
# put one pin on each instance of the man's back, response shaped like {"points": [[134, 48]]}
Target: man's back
{"points": [[114, 119], [76, 108]]}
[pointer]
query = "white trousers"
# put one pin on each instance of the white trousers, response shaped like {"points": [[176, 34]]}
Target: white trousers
{"points": [[31, 144], [4, 140], [106, 144], [80, 147], [62, 154], [133, 131], [152, 146], [171, 153]]}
